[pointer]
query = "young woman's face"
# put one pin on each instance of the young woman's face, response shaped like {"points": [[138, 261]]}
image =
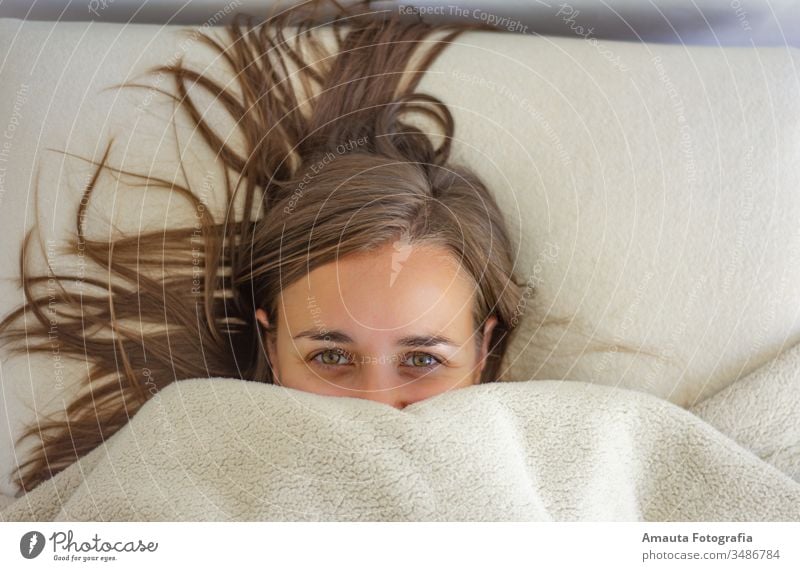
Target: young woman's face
{"points": [[394, 326]]}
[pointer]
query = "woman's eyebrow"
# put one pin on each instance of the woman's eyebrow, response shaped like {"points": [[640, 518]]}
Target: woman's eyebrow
{"points": [[317, 335], [425, 341], [407, 341]]}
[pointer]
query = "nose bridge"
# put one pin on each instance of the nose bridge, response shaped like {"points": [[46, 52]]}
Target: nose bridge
{"points": [[378, 375], [380, 382]]}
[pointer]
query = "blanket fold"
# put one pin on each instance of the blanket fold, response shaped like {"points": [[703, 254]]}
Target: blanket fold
{"points": [[225, 449], [762, 411]]}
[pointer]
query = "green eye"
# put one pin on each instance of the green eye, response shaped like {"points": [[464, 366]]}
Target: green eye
{"points": [[423, 360], [330, 357]]}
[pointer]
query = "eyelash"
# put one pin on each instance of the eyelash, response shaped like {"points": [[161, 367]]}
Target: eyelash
{"points": [[437, 361]]}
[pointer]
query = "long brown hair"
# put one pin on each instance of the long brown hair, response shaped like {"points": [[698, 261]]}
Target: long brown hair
{"points": [[342, 172]]}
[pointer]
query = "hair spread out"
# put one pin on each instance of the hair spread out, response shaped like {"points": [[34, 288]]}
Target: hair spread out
{"points": [[387, 180]]}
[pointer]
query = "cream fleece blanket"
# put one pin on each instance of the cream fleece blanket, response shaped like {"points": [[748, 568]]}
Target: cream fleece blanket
{"points": [[222, 449], [762, 411]]}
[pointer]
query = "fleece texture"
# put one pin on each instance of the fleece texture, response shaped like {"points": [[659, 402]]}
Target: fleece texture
{"points": [[232, 450], [762, 411]]}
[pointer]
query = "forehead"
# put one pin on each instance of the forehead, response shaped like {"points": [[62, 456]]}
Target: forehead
{"points": [[397, 289]]}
